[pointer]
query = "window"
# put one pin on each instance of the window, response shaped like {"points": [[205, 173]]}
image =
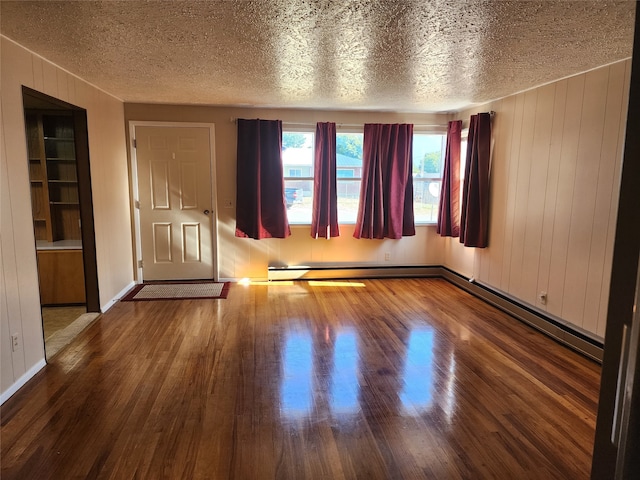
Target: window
{"points": [[463, 160], [428, 161], [349, 175], [297, 162], [346, 173], [298, 165]]}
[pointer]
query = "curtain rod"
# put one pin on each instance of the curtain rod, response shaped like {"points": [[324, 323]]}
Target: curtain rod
{"points": [[354, 125]]}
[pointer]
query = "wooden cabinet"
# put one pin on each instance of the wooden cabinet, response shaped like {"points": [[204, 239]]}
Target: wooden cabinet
{"points": [[53, 176], [61, 273]]}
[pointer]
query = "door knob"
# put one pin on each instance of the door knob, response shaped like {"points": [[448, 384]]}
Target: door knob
{"points": [[206, 212]]}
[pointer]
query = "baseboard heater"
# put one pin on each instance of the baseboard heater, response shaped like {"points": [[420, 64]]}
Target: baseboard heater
{"points": [[344, 271], [551, 326]]}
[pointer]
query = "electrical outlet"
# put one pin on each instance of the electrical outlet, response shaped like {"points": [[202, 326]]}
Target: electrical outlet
{"points": [[387, 256], [228, 203], [15, 342], [542, 296]]}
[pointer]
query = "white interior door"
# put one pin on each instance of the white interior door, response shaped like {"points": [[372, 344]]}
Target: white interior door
{"points": [[174, 185]]}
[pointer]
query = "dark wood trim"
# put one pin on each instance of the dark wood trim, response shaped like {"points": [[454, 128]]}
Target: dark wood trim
{"points": [[83, 166], [86, 210], [622, 290]]}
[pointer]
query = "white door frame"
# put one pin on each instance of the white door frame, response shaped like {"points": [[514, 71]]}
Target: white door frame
{"points": [[135, 195]]}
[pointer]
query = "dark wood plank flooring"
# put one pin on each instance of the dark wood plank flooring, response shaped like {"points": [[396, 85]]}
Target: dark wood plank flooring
{"points": [[398, 379]]}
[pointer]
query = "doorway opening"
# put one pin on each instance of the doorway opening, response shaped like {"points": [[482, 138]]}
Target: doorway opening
{"points": [[62, 208]]}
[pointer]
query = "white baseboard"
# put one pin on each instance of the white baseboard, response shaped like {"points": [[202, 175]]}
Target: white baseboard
{"points": [[228, 279], [22, 380], [118, 296]]}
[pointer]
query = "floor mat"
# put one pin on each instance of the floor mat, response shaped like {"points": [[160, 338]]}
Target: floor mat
{"points": [[177, 291]]}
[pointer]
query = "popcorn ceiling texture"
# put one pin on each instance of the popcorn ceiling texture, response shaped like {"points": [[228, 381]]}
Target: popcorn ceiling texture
{"points": [[420, 56]]}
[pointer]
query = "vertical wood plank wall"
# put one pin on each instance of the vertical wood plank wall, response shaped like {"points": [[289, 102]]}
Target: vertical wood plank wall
{"points": [[554, 191], [19, 300]]}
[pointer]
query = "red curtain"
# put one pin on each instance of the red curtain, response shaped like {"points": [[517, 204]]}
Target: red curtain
{"points": [[324, 221], [449, 207], [474, 218], [260, 201], [386, 194]]}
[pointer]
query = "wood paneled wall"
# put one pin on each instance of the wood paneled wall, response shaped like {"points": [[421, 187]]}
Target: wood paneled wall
{"points": [[555, 171], [19, 300]]}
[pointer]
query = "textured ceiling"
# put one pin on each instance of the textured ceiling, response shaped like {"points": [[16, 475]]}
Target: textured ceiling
{"points": [[419, 55]]}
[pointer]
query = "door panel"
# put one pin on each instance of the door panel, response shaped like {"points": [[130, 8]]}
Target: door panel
{"points": [[191, 243], [189, 186], [174, 181], [162, 243], [159, 177]]}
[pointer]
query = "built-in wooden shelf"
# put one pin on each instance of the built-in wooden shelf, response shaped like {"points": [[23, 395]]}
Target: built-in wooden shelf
{"points": [[53, 175], [55, 206]]}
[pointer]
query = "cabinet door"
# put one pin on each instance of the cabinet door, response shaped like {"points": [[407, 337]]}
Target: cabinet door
{"points": [[61, 275]]}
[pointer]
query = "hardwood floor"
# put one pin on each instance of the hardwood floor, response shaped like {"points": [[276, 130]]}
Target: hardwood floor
{"points": [[396, 379]]}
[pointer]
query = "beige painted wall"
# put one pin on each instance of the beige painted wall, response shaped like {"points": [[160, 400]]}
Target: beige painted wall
{"points": [[20, 302], [241, 257], [554, 192]]}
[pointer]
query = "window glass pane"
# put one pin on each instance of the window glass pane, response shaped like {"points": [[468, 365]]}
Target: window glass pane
{"points": [[349, 174], [428, 159], [346, 173], [426, 196], [463, 157], [348, 198], [463, 165], [297, 163], [297, 154], [298, 195]]}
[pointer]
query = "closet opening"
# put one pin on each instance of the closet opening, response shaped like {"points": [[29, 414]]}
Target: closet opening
{"points": [[62, 210]]}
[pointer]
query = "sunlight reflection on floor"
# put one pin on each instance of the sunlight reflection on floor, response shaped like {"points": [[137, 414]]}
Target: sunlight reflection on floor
{"points": [[312, 283]]}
